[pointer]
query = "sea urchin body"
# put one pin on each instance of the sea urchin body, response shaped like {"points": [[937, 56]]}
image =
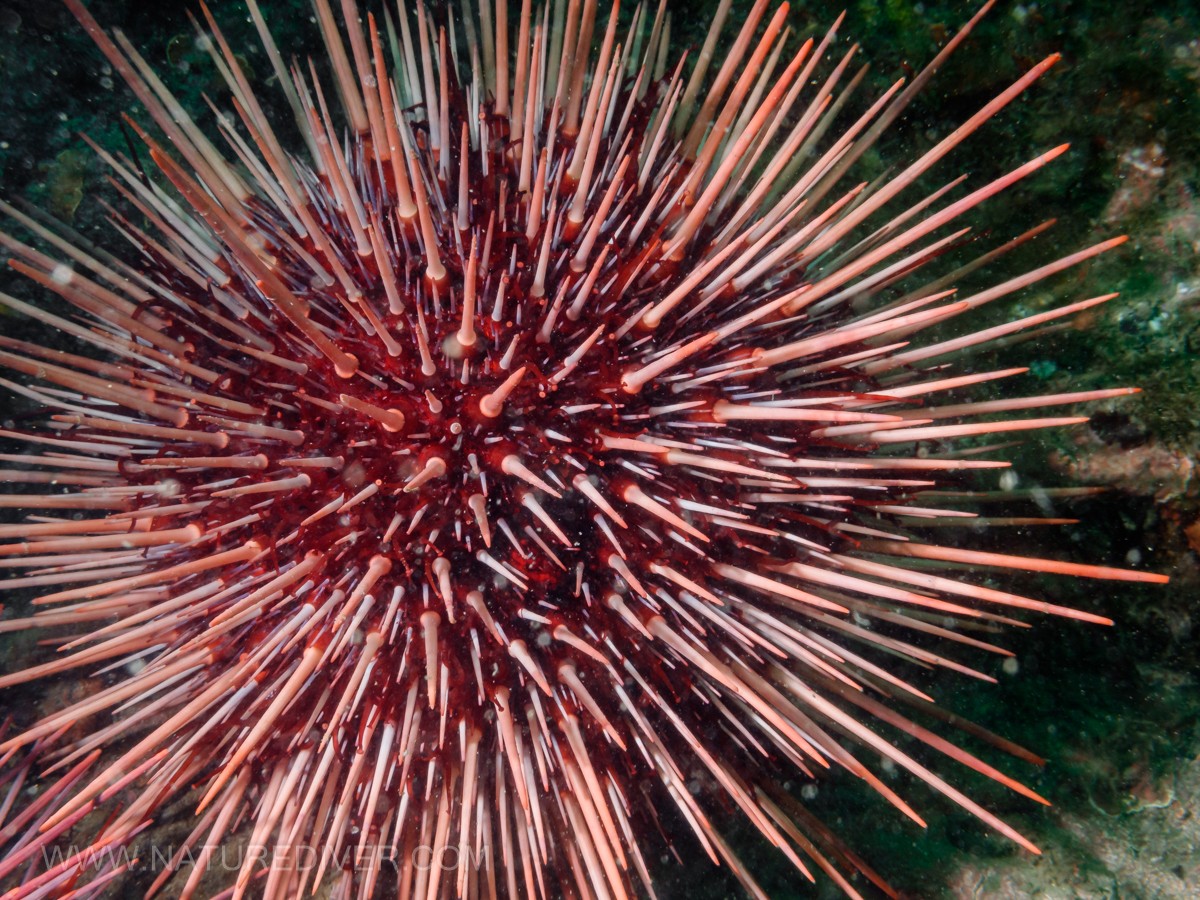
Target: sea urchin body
{"points": [[531, 453]]}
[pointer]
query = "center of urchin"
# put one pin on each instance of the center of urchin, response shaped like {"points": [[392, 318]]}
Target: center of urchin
{"points": [[445, 458]]}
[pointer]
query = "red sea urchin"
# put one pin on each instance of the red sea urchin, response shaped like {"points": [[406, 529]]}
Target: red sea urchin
{"points": [[533, 450]]}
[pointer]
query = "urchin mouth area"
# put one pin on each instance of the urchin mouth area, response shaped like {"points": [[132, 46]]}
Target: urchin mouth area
{"points": [[428, 473]]}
